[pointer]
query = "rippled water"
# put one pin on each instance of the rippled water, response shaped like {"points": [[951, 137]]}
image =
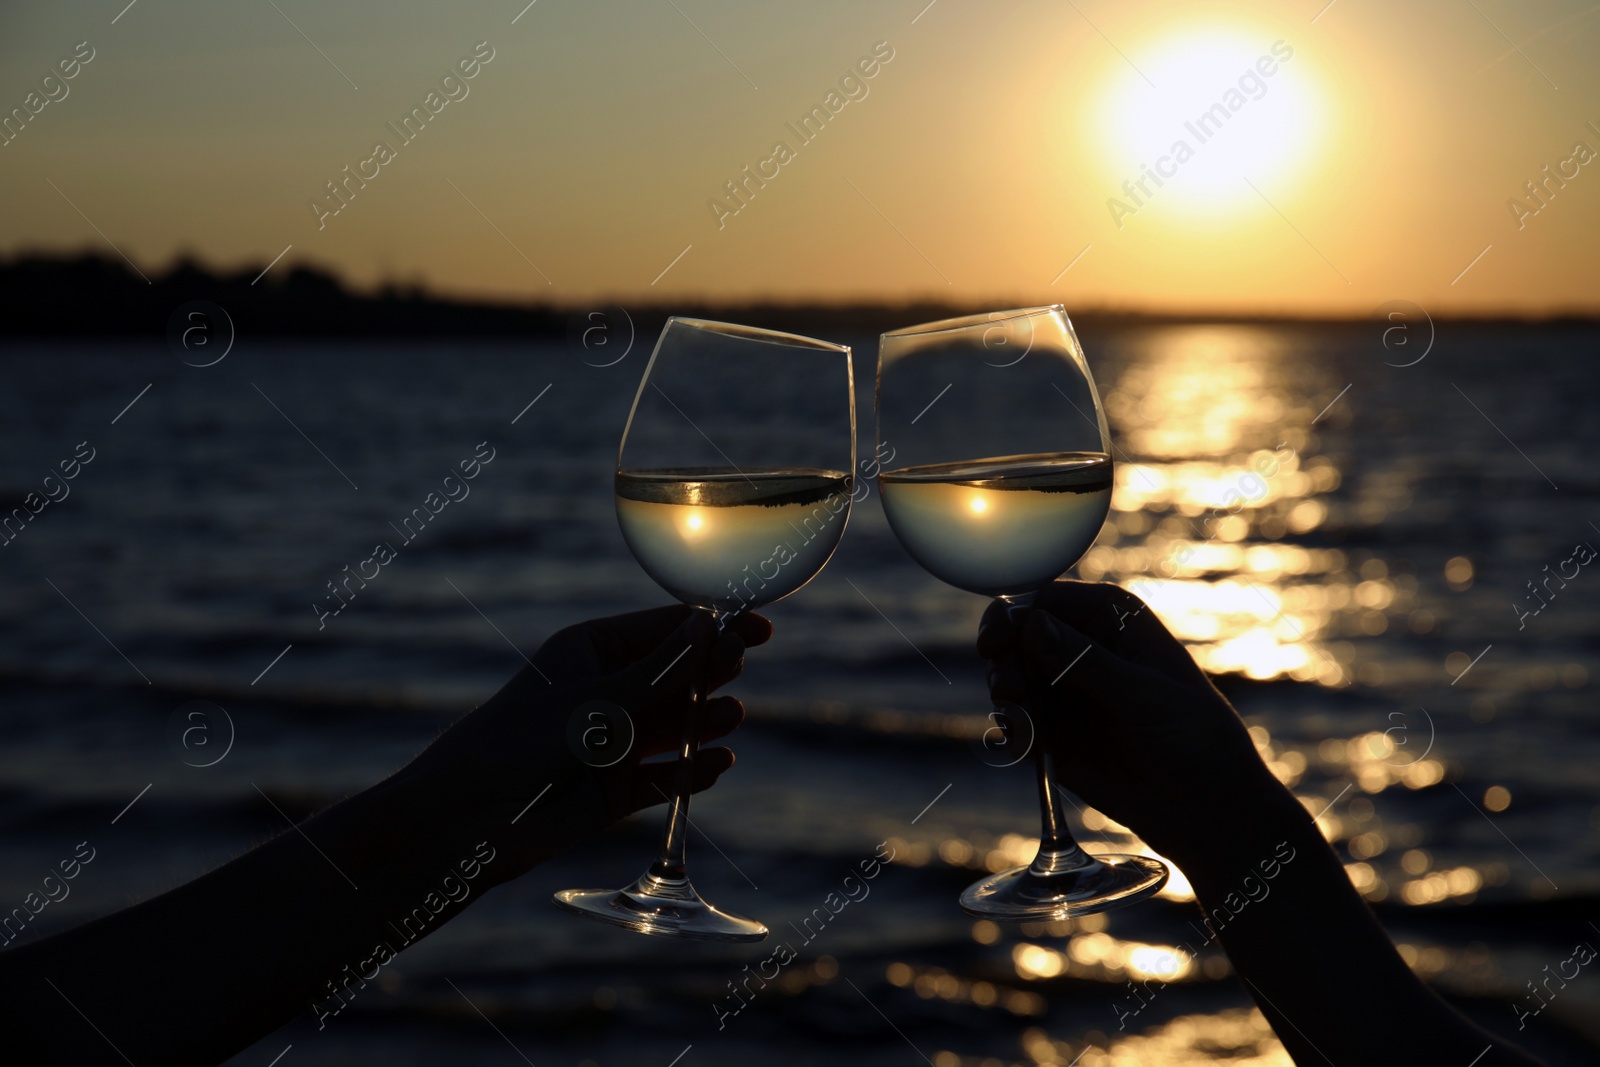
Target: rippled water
{"points": [[1347, 544]]}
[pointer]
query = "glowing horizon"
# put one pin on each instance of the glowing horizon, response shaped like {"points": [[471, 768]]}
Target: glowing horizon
{"points": [[965, 156]]}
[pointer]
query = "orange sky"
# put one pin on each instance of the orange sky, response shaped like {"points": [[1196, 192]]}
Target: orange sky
{"points": [[983, 157]]}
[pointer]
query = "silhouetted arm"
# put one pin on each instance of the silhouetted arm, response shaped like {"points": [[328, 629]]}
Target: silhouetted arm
{"points": [[1140, 732], [300, 923]]}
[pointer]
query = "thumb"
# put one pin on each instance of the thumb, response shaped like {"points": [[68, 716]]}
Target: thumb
{"points": [[654, 783], [670, 668], [1062, 656]]}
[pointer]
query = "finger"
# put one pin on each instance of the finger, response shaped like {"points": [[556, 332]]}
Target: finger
{"points": [[695, 655], [724, 661], [633, 635], [751, 628], [1095, 608], [657, 691], [668, 669], [996, 630], [1121, 622], [1007, 679], [721, 717], [636, 634], [599, 646], [653, 783], [662, 730], [1059, 654]]}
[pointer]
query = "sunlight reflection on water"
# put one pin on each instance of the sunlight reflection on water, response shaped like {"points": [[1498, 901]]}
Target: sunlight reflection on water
{"points": [[1214, 417]]}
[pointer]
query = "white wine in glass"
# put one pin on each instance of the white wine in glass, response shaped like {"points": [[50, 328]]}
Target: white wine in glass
{"points": [[1003, 526], [733, 487], [687, 526], [1008, 483]]}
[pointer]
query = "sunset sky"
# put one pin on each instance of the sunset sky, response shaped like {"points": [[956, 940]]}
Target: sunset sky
{"points": [[983, 157]]}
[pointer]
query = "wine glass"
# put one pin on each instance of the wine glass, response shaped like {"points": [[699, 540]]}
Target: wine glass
{"points": [[1005, 480], [733, 487]]}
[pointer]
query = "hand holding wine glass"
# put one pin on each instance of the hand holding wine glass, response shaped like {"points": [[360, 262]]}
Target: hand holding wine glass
{"points": [[1136, 727], [1007, 482], [733, 487], [540, 737]]}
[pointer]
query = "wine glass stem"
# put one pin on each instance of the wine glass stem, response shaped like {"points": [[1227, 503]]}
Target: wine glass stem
{"points": [[1057, 850], [671, 863]]}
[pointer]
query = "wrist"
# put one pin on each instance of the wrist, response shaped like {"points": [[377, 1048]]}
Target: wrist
{"points": [[412, 865], [1246, 828]]}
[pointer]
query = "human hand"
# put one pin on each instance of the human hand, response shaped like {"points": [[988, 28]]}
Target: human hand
{"points": [[540, 730], [1135, 726]]}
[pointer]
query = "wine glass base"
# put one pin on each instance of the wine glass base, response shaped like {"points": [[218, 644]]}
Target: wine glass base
{"points": [[1102, 883], [655, 905]]}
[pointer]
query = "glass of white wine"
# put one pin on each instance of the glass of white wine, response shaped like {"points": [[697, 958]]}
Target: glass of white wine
{"points": [[1005, 483], [733, 487]]}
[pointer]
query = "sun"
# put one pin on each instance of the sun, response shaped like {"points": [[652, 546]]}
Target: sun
{"points": [[1194, 119]]}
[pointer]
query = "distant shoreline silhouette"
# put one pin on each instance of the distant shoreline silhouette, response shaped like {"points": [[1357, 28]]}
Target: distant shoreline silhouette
{"points": [[91, 295]]}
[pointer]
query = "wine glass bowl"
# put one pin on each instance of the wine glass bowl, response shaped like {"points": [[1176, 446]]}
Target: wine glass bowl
{"points": [[733, 487], [1005, 526], [1005, 481], [685, 526]]}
